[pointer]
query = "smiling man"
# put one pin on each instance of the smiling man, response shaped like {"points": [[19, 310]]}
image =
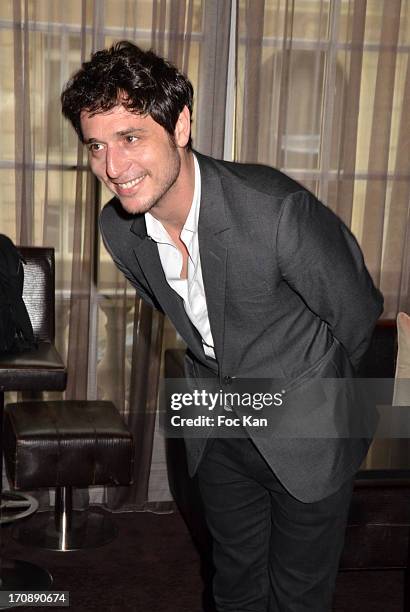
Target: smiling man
{"points": [[135, 158], [263, 282]]}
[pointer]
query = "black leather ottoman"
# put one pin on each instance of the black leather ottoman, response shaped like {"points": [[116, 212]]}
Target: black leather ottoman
{"points": [[64, 444]]}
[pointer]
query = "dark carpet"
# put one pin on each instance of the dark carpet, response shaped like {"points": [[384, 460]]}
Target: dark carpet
{"points": [[153, 567]]}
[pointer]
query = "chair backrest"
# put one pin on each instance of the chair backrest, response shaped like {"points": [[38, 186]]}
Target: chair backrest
{"points": [[38, 290]]}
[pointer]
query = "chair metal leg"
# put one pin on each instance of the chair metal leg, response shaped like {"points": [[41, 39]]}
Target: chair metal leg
{"points": [[66, 529]]}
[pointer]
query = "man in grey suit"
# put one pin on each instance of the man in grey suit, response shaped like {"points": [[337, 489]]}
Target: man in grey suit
{"points": [[263, 282]]}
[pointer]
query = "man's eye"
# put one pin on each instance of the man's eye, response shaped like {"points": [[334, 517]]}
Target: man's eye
{"points": [[131, 138], [95, 147]]}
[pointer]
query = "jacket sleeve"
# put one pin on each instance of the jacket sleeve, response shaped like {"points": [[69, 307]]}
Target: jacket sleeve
{"points": [[321, 260]]}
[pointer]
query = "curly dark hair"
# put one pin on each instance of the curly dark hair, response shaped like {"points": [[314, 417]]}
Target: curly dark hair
{"points": [[141, 81]]}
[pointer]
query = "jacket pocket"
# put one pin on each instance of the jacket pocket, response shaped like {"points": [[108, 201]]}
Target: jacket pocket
{"points": [[333, 364]]}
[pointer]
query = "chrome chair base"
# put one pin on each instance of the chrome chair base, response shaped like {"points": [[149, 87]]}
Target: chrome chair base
{"points": [[16, 506], [85, 529]]}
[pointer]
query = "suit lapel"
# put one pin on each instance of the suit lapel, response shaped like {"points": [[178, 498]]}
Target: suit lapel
{"points": [[213, 231], [146, 252]]}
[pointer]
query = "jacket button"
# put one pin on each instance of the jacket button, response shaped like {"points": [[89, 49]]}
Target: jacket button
{"points": [[227, 380]]}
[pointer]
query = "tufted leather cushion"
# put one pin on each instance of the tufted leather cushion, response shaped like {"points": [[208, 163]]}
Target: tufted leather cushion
{"points": [[38, 290], [41, 369], [37, 370], [63, 443]]}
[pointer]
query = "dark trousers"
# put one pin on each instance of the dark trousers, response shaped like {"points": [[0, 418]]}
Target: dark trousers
{"points": [[272, 552]]}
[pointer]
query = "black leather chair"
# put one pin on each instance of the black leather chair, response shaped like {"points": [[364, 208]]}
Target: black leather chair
{"points": [[378, 530], [66, 444], [39, 370], [58, 444]]}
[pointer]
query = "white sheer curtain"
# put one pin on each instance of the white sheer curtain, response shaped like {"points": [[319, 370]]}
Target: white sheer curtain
{"points": [[318, 88], [323, 93], [112, 342]]}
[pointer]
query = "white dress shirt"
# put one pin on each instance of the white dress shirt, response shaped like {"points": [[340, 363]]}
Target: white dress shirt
{"points": [[190, 289]]}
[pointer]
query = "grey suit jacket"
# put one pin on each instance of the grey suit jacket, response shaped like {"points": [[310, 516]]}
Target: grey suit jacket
{"points": [[288, 296]]}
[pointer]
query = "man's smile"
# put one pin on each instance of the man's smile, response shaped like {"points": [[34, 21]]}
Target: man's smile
{"points": [[129, 185]]}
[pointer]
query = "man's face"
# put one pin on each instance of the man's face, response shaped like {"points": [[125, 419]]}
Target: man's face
{"points": [[132, 155]]}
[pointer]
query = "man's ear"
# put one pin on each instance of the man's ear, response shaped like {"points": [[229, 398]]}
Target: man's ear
{"points": [[183, 128]]}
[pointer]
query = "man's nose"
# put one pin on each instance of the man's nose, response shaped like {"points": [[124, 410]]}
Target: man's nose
{"points": [[116, 163]]}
